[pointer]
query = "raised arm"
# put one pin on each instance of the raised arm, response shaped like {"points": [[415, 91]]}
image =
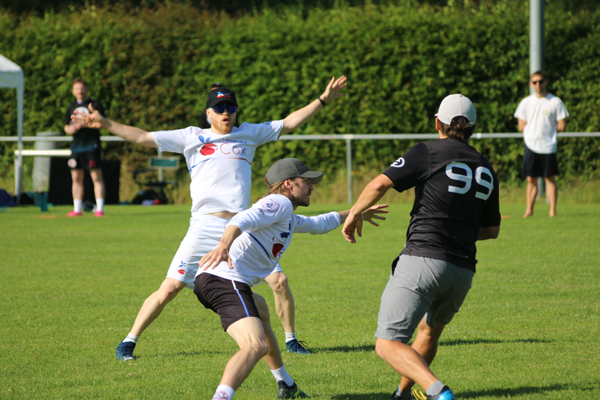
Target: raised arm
{"points": [[130, 133], [301, 116], [369, 196], [369, 215]]}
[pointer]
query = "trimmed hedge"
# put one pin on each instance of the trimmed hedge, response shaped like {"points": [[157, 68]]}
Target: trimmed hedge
{"points": [[151, 68]]}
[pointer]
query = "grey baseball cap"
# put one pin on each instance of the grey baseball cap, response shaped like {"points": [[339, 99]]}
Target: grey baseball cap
{"points": [[457, 105], [290, 168]]}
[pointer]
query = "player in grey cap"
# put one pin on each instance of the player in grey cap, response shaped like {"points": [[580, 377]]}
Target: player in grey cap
{"points": [[456, 204], [248, 252]]}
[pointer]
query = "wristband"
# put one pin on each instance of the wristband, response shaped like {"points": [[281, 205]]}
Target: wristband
{"points": [[322, 102]]}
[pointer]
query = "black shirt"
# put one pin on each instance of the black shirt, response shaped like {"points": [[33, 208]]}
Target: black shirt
{"points": [[456, 193], [85, 139]]}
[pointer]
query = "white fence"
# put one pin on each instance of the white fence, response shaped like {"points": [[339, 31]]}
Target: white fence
{"points": [[348, 138]]}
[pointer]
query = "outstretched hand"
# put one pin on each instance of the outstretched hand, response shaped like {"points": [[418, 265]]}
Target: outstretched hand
{"points": [[332, 91], [372, 213], [92, 120], [354, 222], [215, 257]]}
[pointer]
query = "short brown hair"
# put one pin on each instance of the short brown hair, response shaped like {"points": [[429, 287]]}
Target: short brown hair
{"points": [[80, 80], [458, 129], [540, 73]]}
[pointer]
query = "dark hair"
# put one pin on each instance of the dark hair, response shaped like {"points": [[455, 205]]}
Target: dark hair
{"points": [[457, 129], [80, 80], [540, 73]]}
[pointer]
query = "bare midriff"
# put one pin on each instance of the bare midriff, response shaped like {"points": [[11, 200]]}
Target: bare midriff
{"points": [[224, 214]]}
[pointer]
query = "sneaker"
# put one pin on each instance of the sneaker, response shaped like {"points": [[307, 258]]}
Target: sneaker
{"points": [[290, 392], [295, 346], [412, 397], [125, 351], [74, 214], [445, 394], [418, 394], [99, 214]]}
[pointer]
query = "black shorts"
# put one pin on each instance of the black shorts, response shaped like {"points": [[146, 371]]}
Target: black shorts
{"points": [[539, 165], [87, 160], [230, 299]]}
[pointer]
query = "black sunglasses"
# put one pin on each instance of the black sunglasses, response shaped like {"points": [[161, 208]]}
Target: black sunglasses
{"points": [[221, 107], [536, 82]]}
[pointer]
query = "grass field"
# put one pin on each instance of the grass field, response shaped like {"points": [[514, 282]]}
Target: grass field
{"points": [[71, 289]]}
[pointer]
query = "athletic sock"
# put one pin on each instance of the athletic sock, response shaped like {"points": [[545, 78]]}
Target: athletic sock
{"points": [[403, 395], [290, 336], [100, 205], [223, 392], [131, 338], [77, 205], [282, 375], [435, 389]]}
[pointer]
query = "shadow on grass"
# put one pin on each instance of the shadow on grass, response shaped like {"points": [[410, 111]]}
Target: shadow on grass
{"points": [[461, 342], [367, 396], [499, 393], [520, 391]]}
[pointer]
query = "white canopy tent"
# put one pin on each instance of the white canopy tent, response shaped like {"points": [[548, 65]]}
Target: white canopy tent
{"points": [[11, 76]]}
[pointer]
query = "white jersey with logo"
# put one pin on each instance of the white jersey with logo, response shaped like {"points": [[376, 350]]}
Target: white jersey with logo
{"points": [[267, 230], [542, 116], [219, 165]]}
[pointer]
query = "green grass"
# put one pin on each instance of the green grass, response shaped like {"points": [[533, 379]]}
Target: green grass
{"points": [[71, 289]]}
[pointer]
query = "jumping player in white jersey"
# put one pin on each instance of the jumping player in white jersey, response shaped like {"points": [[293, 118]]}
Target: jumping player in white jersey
{"points": [[219, 161], [249, 251], [456, 204]]}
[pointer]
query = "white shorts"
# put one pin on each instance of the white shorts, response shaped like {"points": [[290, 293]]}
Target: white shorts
{"points": [[202, 236]]}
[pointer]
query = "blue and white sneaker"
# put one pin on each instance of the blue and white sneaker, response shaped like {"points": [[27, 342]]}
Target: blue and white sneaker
{"points": [[445, 394], [125, 351], [296, 346]]}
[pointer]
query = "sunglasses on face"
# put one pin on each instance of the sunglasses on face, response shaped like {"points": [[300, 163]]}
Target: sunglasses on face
{"points": [[220, 108], [536, 82]]}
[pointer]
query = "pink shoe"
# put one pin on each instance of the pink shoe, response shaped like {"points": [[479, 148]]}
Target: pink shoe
{"points": [[74, 214], [99, 214]]}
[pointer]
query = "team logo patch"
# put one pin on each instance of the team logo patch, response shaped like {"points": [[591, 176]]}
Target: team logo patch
{"points": [[270, 205], [276, 249], [72, 163], [208, 149], [399, 163], [182, 268], [81, 110], [220, 95]]}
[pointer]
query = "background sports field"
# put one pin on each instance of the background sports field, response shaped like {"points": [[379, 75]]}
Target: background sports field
{"points": [[72, 287]]}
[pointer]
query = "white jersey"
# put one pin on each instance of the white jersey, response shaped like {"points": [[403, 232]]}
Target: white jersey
{"points": [[267, 230], [219, 165], [542, 115]]}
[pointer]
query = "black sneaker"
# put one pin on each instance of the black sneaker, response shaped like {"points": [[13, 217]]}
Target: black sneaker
{"points": [[295, 346], [290, 392], [445, 394], [125, 351], [412, 396]]}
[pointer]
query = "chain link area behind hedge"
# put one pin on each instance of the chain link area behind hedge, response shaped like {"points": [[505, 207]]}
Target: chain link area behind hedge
{"points": [[151, 68]]}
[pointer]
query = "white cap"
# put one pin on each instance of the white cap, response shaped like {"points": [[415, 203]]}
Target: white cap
{"points": [[457, 105]]}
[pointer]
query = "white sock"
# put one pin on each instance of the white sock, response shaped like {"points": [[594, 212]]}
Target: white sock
{"points": [[131, 338], [290, 336], [223, 392], [282, 375], [99, 204], [77, 205]]}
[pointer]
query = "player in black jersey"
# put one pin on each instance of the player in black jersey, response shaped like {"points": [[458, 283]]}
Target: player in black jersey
{"points": [[456, 204], [86, 150]]}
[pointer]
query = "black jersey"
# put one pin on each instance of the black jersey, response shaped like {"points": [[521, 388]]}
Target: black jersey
{"points": [[456, 193], [85, 139]]}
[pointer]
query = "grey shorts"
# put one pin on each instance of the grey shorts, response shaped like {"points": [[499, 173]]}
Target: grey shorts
{"points": [[421, 287]]}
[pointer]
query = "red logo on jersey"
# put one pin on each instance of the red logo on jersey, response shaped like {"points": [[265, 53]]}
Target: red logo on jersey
{"points": [[277, 248], [181, 271], [208, 149]]}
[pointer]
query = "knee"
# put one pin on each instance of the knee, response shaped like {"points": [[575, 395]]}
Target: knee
{"points": [[168, 292], [381, 348]]}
